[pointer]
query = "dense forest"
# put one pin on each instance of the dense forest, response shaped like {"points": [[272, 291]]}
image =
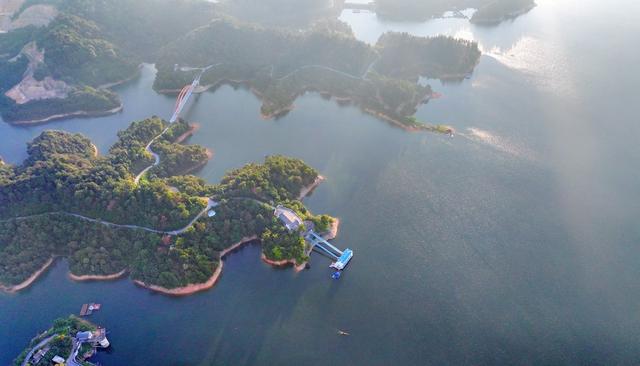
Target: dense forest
{"points": [[76, 52], [498, 10], [62, 176], [435, 57], [489, 11], [276, 180], [82, 101], [62, 179]]}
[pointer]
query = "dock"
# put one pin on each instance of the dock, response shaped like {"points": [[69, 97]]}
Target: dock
{"points": [[88, 309], [342, 258], [293, 222]]}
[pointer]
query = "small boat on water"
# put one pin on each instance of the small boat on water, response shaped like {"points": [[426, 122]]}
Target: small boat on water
{"points": [[343, 333], [336, 275]]}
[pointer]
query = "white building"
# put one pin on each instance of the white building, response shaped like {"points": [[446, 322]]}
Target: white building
{"points": [[289, 218], [58, 360]]}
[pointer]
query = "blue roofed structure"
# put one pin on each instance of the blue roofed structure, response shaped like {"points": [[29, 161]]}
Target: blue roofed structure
{"points": [[84, 336]]}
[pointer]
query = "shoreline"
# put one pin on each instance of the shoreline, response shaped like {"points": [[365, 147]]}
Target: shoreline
{"points": [[193, 128], [390, 120], [186, 290], [325, 94], [193, 288], [333, 230], [305, 191], [80, 114], [29, 281], [84, 278], [125, 80], [284, 263], [199, 166], [497, 20], [190, 288], [76, 114], [329, 235]]}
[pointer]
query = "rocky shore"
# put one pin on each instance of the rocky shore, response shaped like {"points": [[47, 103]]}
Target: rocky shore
{"points": [[109, 277], [193, 288], [76, 114], [29, 281]]}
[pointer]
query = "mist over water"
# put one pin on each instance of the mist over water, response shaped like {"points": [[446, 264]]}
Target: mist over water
{"points": [[514, 242]]}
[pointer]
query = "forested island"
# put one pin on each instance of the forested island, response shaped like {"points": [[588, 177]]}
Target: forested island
{"points": [[60, 340], [500, 10], [63, 65], [65, 200], [488, 11]]}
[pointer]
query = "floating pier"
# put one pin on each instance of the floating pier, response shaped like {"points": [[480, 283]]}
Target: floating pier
{"points": [[293, 222], [88, 309], [343, 260], [319, 243]]}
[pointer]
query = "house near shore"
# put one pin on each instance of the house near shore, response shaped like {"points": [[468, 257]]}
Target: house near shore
{"points": [[98, 337], [289, 218]]}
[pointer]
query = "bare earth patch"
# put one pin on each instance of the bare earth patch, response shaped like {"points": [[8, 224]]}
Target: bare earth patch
{"points": [[37, 15], [7, 8], [31, 89]]}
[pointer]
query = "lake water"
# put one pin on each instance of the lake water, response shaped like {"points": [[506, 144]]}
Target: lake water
{"points": [[515, 242]]}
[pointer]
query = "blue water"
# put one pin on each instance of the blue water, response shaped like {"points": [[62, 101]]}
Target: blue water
{"points": [[515, 242]]}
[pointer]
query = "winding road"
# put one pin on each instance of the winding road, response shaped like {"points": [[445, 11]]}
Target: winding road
{"points": [[38, 346], [322, 67], [156, 157], [156, 161], [210, 204]]}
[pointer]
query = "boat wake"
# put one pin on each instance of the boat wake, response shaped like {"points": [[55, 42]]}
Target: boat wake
{"points": [[497, 143]]}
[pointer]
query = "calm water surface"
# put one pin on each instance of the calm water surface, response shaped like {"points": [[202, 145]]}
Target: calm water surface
{"points": [[516, 242]]}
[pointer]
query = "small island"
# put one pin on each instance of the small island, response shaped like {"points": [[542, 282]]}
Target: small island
{"points": [[167, 231], [70, 341], [488, 12], [498, 11]]}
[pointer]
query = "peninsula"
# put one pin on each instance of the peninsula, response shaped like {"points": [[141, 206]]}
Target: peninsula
{"points": [[64, 200]]}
